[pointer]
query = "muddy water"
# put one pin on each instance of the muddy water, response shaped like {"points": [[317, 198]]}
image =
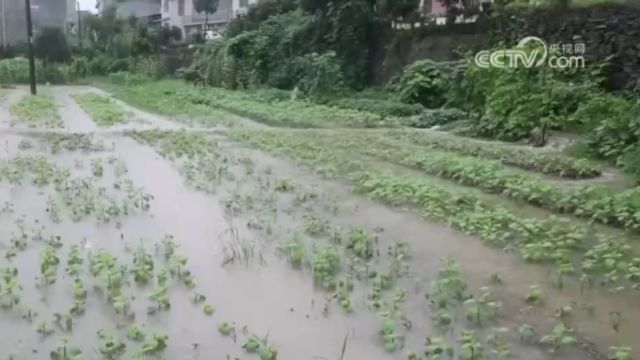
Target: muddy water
{"points": [[263, 294], [591, 309]]}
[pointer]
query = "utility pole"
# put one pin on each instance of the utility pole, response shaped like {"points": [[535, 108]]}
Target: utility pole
{"points": [[79, 29], [4, 27], [32, 62]]}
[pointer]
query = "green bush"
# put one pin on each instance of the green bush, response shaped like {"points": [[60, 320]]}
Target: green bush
{"points": [[630, 161], [99, 65], [118, 65], [423, 82], [319, 74], [382, 107], [126, 78], [613, 125], [271, 95], [432, 117], [51, 75], [148, 66], [14, 71]]}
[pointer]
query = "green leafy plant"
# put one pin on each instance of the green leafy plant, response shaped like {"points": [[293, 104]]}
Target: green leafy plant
{"points": [[390, 336], [620, 353], [39, 110], [437, 349], [110, 348], [103, 110], [535, 295], [64, 351], [208, 309], [325, 265], [471, 348], [226, 329], [154, 344], [559, 337]]}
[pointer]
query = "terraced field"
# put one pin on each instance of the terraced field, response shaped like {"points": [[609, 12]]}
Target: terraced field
{"points": [[201, 234]]}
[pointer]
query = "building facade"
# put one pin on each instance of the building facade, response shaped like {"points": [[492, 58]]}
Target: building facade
{"points": [[181, 13], [137, 8], [13, 20]]}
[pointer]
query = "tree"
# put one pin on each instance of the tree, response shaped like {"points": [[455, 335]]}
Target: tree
{"points": [[207, 7], [51, 45], [104, 27], [395, 9]]}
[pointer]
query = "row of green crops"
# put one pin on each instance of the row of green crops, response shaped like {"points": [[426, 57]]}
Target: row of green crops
{"points": [[528, 159], [550, 240], [596, 203], [285, 113], [36, 110], [103, 110], [254, 105]]}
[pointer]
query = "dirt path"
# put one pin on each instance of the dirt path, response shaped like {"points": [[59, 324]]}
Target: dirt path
{"points": [[237, 263]]}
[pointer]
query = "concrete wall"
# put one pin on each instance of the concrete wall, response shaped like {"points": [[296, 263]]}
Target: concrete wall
{"points": [[607, 31]]}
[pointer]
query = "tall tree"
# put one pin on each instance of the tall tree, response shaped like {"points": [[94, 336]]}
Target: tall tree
{"points": [[51, 45], [207, 7]]}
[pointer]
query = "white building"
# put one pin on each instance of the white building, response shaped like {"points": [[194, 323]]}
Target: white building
{"points": [[137, 8], [181, 13]]}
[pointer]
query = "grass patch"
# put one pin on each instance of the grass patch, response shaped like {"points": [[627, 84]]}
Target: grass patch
{"points": [[104, 111], [34, 111]]}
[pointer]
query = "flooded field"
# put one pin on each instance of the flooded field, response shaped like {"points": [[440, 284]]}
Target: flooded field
{"points": [[137, 236]]}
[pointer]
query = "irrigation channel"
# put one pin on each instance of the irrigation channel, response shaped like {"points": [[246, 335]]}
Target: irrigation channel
{"points": [[155, 239]]}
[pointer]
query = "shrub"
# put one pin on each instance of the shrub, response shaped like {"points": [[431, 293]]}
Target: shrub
{"points": [[613, 124], [382, 107], [51, 75], [271, 95], [99, 65], [77, 69], [126, 78], [630, 161], [14, 71], [319, 74], [432, 117], [423, 82], [118, 65], [148, 66]]}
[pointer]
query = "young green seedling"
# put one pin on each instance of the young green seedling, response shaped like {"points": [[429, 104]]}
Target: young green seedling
{"points": [[620, 353], [66, 352], [437, 349], [208, 309], [226, 329], [560, 336]]}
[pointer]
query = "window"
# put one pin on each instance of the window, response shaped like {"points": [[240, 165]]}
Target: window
{"points": [[244, 3], [180, 7], [166, 5]]}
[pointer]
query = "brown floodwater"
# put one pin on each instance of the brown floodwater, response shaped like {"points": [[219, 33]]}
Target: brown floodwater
{"points": [[263, 294]]}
